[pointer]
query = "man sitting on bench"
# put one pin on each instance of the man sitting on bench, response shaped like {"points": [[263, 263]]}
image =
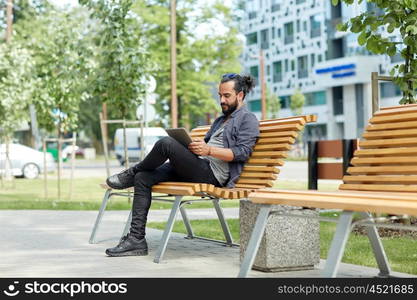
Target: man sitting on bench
{"points": [[217, 160]]}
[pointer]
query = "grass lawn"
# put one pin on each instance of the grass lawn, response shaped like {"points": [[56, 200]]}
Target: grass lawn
{"points": [[401, 252], [87, 195]]}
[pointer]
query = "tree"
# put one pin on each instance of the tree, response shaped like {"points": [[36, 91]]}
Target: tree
{"points": [[297, 102], [395, 15], [62, 60], [203, 56], [16, 90], [123, 59], [273, 104]]}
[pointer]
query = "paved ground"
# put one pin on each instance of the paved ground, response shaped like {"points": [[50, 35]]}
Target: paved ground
{"points": [[55, 244]]}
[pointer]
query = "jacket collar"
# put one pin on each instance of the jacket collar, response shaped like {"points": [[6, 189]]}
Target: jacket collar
{"points": [[237, 111]]}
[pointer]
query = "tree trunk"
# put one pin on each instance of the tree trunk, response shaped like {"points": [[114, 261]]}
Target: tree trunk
{"points": [[8, 171]]}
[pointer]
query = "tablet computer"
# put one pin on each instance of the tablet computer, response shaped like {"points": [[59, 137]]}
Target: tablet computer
{"points": [[181, 135]]}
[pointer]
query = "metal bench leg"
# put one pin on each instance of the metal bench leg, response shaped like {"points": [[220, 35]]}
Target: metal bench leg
{"points": [[338, 244], [378, 248], [255, 240], [127, 225], [190, 233], [167, 231], [99, 216], [223, 222]]}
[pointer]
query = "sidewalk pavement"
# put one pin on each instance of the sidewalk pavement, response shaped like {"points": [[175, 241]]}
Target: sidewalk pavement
{"points": [[38, 243]]}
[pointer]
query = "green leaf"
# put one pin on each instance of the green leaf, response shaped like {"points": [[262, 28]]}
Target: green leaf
{"points": [[362, 38], [335, 2], [411, 29], [342, 26], [392, 50]]}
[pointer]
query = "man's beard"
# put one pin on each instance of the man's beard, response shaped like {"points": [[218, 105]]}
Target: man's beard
{"points": [[229, 109]]}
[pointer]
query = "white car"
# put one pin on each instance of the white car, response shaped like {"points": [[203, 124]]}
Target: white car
{"points": [[26, 162]]}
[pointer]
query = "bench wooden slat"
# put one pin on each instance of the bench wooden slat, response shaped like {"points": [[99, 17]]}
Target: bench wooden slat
{"points": [[345, 194], [356, 161], [380, 187], [282, 121], [402, 133], [389, 143], [265, 161], [411, 179], [336, 201], [249, 186], [268, 154], [386, 152], [174, 190], [273, 147], [400, 109], [195, 186], [392, 126], [262, 141], [264, 182], [383, 170], [281, 128], [394, 118], [245, 174], [292, 134], [261, 169]]}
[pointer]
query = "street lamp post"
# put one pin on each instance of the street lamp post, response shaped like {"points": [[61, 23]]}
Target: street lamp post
{"points": [[262, 81], [174, 103], [263, 85]]}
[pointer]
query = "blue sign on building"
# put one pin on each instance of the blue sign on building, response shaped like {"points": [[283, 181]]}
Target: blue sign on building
{"points": [[339, 71]]}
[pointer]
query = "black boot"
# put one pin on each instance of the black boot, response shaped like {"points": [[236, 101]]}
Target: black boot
{"points": [[122, 180], [129, 246]]}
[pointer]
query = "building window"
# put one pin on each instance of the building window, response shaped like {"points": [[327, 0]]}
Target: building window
{"points": [[315, 26], [305, 26], [319, 58], [279, 33], [255, 105], [254, 72], [252, 15], [273, 32], [268, 70], [389, 90], [277, 71], [292, 65], [315, 98], [337, 100], [264, 39], [300, 1], [360, 107], [286, 65], [288, 33], [302, 67], [274, 5], [298, 26], [285, 101], [252, 38]]}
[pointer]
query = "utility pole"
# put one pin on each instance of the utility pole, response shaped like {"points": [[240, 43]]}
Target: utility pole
{"points": [[174, 101], [9, 17], [263, 85]]}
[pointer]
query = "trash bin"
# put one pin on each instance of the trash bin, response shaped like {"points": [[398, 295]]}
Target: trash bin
{"points": [[288, 243]]}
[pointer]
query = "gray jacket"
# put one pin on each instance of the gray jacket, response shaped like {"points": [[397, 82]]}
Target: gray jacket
{"points": [[240, 135]]}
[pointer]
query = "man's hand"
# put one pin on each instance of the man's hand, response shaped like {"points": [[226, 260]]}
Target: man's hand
{"points": [[199, 147]]}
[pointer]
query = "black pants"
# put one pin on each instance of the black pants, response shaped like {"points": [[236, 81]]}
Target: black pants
{"points": [[183, 165]]}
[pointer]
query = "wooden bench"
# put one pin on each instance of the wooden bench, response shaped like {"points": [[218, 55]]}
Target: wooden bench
{"points": [[382, 179], [276, 138]]}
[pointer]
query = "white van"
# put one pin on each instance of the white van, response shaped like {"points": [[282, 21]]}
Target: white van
{"points": [[151, 136]]}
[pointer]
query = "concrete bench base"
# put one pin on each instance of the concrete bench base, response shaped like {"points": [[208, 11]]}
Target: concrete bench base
{"points": [[288, 243]]}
